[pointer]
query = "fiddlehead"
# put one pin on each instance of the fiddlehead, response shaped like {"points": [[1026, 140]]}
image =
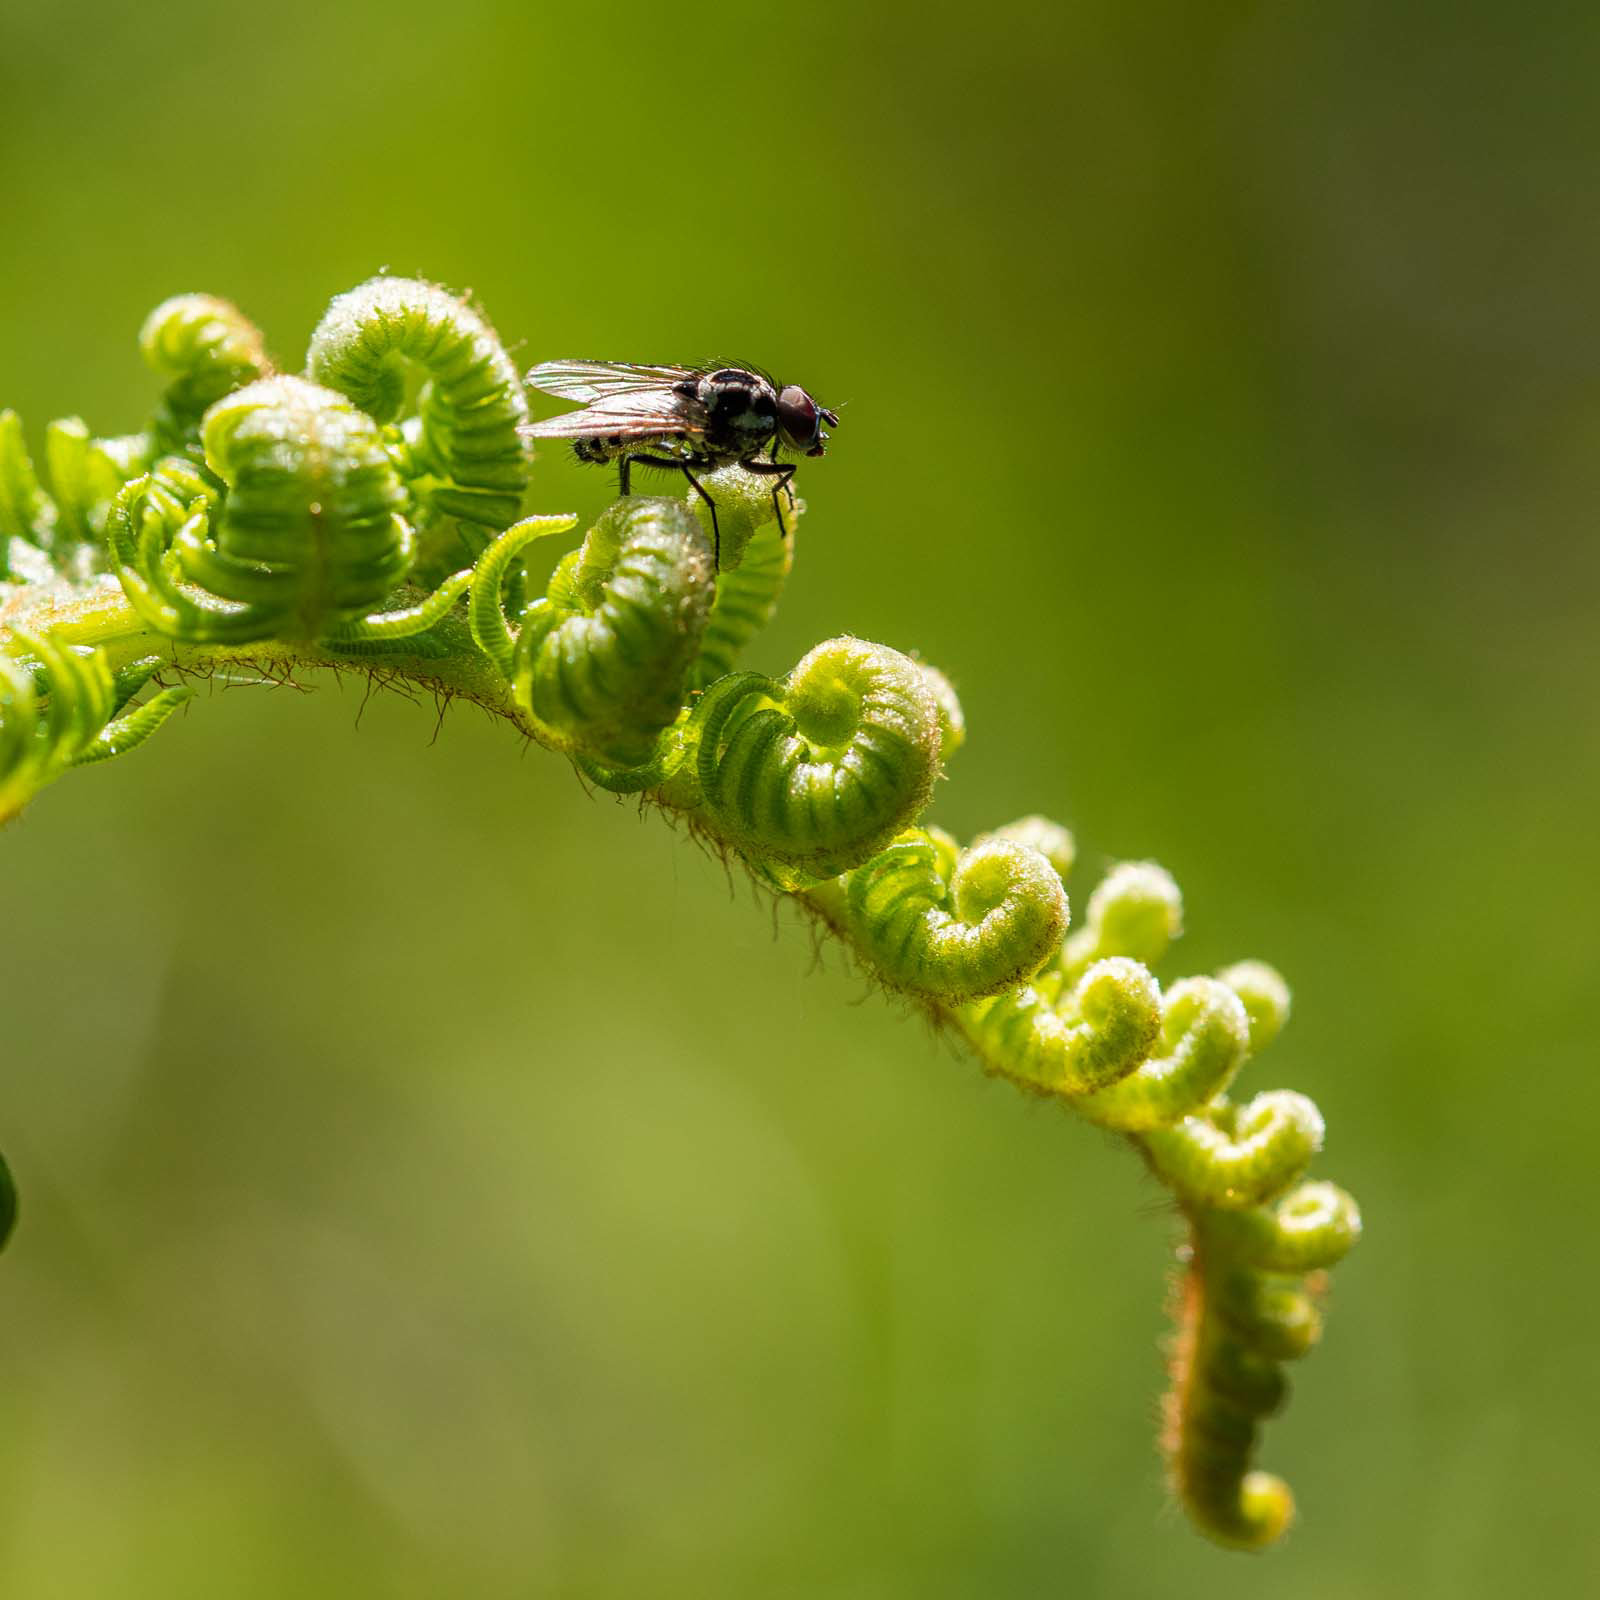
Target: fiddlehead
{"points": [[64, 522], [1248, 1303], [460, 455], [1265, 997], [496, 567], [1227, 1155], [952, 722], [26, 511], [294, 531], [1050, 839], [744, 509], [812, 774], [58, 709], [1254, 1274], [956, 930], [609, 660], [1135, 910], [747, 593], [601, 661], [1313, 1225], [1073, 1042], [83, 479], [311, 514], [1204, 1036], [205, 348]]}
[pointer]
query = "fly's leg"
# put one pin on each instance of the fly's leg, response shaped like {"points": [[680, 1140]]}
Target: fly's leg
{"points": [[675, 464], [716, 532], [783, 472]]}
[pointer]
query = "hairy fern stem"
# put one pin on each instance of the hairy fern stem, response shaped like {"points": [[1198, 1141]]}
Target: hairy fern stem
{"points": [[368, 515]]}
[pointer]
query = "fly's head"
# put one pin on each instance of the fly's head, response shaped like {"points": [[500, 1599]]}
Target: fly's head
{"points": [[800, 421]]}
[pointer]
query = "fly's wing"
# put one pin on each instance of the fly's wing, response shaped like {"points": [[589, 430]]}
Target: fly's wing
{"points": [[589, 381], [655, 413]]}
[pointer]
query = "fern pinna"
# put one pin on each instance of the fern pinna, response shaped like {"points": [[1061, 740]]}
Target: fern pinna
{"points": [[370, 511]]}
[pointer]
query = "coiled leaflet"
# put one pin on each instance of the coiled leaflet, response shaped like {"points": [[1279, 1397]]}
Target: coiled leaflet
{"points": [[1246, 1306], [205, 348], [1228, 1155], [1265, 997], [294, 530], [602, 660], [1050, 839], [1136, 910], [26, 511], [464, 458], [1313, 1226], [1076, 1041], [747, 596], [744, 509], [956, 931], [1222, 1391], [812, 774], [84, 475], [1205, 1035], [283, 511], [58, 709]]}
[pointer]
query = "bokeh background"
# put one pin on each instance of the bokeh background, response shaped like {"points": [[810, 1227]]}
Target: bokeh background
{"points": [[437, 1181]]}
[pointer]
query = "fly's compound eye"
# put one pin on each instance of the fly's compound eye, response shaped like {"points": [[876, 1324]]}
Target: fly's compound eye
{"points": [[799, 420]]}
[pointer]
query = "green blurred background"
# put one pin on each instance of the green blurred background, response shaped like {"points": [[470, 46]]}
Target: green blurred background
{"points": [[438, 1183]]}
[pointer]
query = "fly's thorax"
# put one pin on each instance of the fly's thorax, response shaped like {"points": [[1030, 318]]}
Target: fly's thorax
{"points": [[741, 409]]}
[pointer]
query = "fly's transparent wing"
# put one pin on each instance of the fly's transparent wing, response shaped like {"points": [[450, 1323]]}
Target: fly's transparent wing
{"points": [[650, 414], [596, 380]]}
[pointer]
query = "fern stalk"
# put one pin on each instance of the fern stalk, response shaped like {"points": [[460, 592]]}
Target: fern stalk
{"points": [[290, 522]]}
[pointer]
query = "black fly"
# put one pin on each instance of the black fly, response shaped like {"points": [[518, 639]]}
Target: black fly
{"points": [[683, 419]]}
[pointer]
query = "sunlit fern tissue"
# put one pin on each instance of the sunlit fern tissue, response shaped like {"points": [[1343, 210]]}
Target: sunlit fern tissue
{"points": [[325, 519]]}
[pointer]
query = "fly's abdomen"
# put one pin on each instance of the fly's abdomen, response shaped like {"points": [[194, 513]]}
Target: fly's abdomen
{"points": [[604, 448], [597, 451]]}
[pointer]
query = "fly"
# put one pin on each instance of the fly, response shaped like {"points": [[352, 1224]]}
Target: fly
{"points": [[682, 419]]}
